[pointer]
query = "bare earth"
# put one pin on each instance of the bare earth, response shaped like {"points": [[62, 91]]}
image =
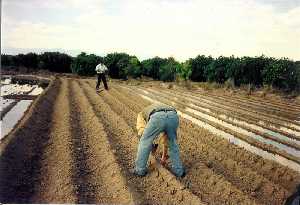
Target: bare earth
{"points": [[76, 146]]}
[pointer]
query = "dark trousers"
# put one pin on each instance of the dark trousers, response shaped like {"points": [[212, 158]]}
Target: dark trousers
{"points": [[101, 76]]}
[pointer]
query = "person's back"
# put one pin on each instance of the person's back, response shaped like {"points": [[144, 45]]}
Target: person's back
{"points": [[155, 107], [142, 120], [159, 118]]}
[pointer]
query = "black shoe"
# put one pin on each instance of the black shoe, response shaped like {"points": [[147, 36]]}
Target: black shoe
{"points": [[183, 174], [133, 172]]}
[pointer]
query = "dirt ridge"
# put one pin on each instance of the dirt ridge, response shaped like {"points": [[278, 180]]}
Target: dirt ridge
{"points": [[183, 101], [131, 117], [156, 188], [77, 146], [239, 178]]}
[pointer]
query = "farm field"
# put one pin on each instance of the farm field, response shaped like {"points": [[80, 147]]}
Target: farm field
{"points": [[76, 146]]}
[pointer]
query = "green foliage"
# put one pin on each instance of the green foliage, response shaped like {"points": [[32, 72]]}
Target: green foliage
{"points": [[29, 60], [161, 68], [216, 71], [55, 61], [297, 64], [185, 71], [133, 68], [255, 71], [85, 64], [235, 71], [247, 70], [168, 71], [6, 60], [198, 65], [52, 61], [151, 67], [117, 64], [281, 73]]}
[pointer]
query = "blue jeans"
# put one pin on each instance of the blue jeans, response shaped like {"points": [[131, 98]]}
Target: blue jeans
{"points": [[159, 122]]}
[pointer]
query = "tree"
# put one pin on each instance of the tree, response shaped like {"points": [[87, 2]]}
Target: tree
{"points": [[6, 60], [168, 71], [29, 60], [85, 64], [281, 73], [151, 67], [297, 65], [185, 71], [117, 64], [198, 65], [55, 61], [133, 69], [216, 71]]}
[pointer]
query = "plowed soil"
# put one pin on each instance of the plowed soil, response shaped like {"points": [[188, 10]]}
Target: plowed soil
{"points": [[75, 145]]}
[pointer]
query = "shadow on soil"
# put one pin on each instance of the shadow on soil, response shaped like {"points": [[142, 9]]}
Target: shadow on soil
{"points": [[84, 190], [20, 161], [295, 198]]}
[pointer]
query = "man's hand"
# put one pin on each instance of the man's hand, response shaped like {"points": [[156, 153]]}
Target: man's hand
{"points": [[163, 159]]}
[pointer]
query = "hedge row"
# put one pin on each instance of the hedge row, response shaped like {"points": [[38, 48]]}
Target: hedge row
{"points": [[280, 73], [53, 61]]}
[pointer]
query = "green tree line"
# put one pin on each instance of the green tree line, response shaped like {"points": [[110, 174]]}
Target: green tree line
{"points": [[281, 73]]}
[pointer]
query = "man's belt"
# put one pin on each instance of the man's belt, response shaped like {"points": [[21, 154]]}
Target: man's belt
{"points": [[162, 109]]}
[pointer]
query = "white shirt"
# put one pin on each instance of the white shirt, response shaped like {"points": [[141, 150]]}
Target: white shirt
{"points": [[101, 68]]}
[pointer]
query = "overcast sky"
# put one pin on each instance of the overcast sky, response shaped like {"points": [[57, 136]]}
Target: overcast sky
{"points": [[148, 28]]}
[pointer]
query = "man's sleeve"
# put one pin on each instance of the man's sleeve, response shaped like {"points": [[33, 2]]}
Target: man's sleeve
{"points": [[97, 68], [140, 124], [105, 68]]}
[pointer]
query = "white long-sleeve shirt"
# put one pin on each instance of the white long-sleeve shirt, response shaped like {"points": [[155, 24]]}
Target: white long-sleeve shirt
{"points": [[101, 68]]}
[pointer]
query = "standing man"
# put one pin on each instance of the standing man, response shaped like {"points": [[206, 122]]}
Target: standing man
{"points": [[159, 118], [101, 69]]}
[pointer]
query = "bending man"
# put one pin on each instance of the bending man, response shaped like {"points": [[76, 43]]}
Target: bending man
{"points": [[159, 118]]}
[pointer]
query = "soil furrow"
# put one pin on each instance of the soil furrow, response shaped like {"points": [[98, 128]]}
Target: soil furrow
{"points": [[74, 145], [99, 177], [155, 188], [228, 111], [221, 168], [22, 150], [84, 189], [244, 113], [250, 183], [56, 184], [280, 175], [221, 111], [258, 101], [251, 141], [196, 184], [281, 103], [131, 96], [260, 106], [180, 100], [270, 110], [264, 116]]}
